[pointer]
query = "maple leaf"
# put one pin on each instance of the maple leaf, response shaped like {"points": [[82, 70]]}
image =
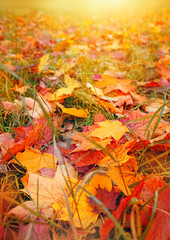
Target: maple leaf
{"points": [[119, 155], [124, 85], [82, 113], [83, 211], [22, 89], [125, 175], [34, 109], [106, 80], [123, 171], [109, 129], [108, 198], [162, 67], [90, 157], [9, 106], [158, 229], [48, 190], [109, 224], [33, 160], [32, 230], [34, 136], [7, 141], [43, 63], [23, 211], [63, 92], [85, 142], [140, 122]]}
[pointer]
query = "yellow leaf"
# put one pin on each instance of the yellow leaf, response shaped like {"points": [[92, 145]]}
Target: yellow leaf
{"points": [[109, 129], [21, 90], [71, 82], [83, 211], [95, 90], [74, 111], [124, 175], [71, 85], [43, 63], [64, 91], [33, 160], [48, 190]]}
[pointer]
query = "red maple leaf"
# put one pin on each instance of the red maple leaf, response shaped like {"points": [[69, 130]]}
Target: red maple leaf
{"points": [[106, 197], [109, 224], [34, 136]]}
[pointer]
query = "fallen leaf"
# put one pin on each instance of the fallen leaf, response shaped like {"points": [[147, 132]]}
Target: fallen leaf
{"points": [[34, 109], [109, 224], [95, 90], [84, 142], [22, 89], [106, 80], [32, 230], [159, 227], [108, 199], [47, 189], [109, 129], [9, 106], [43, 63], [154, 105], [82, 113], [124, 85], [33, 160], [138, 122], [25, 211], [83, 212], [34, 136], [119, 155], [6, 141], [162, 67]]}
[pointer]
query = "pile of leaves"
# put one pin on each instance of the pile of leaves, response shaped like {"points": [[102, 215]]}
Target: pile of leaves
{"points": [[84, 131]]}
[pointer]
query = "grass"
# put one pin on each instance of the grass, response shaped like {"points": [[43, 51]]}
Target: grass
{"points": [[138, 66]]}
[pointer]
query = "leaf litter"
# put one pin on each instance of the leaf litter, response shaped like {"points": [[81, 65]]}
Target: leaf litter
{"points": [[104, 174]]}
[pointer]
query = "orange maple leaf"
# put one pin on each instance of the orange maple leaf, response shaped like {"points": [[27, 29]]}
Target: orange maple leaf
{"points": [[109, 129], [84, 211], [82, 113], [163, 68], [119, 155], [33, 160], [34, 136]]}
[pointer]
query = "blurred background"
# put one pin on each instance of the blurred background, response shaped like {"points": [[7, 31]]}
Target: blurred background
{"points": [[84, 6]]}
